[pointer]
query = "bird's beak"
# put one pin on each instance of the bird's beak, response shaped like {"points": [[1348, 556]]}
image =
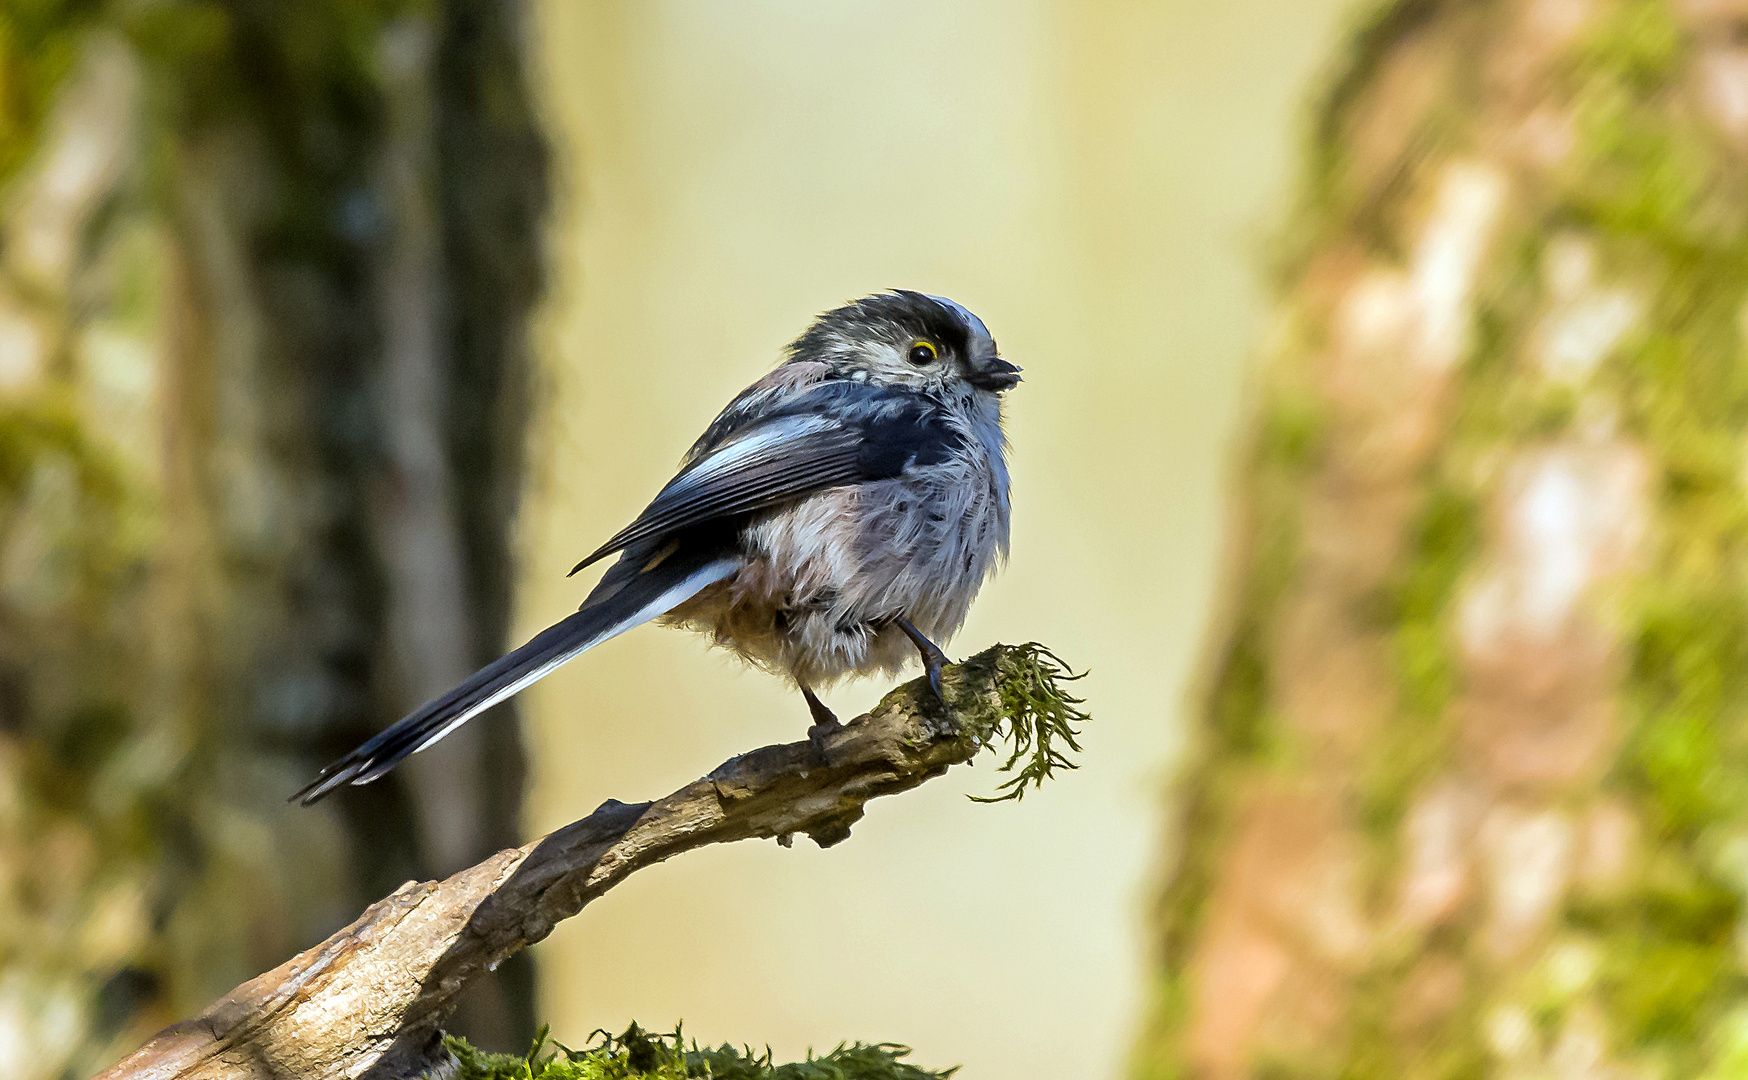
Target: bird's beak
{"points": [[994, 374]]}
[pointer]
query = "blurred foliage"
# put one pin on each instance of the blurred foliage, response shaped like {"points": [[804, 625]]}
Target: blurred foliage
{"points": [[669, 1057], [86, 808], [39, 43], [165, 567], [89, 814]]}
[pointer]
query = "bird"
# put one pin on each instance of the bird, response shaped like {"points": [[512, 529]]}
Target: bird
{"points": [[839, 515]]}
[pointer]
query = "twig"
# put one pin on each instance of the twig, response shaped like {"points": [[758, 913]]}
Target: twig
{"points": [[372, 998]]}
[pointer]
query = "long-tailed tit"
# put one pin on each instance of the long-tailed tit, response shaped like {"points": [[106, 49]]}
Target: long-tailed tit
{"points": [[841, 512]]}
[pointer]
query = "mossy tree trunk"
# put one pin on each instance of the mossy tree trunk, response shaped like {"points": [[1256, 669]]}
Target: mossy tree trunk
{"points": [[354, 198], [1469, 797], [263, 373]]}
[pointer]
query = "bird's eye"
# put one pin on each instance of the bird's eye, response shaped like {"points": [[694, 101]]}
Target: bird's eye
{"points": [[923, 353]]}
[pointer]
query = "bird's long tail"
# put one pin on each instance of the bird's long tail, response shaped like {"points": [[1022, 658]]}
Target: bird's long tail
{"points": [[644, 595]]}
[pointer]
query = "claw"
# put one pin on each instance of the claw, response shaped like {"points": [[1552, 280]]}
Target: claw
{"points": [[933, 658]]}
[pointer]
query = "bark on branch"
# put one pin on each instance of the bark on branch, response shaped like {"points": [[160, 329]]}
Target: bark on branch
{"points": [[373, 998]]}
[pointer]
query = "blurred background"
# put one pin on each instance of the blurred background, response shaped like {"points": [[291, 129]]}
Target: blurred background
{"points": [[1096, 182], [1380, 453]]}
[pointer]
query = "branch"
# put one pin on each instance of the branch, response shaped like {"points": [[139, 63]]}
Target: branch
{"points": [[374, 996]]}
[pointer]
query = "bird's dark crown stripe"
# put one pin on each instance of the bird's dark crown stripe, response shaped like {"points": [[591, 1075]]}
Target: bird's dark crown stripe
{"points": [[901, 314], [941, 323]]}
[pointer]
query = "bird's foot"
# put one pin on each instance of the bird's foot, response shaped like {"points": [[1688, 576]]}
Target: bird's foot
{"points": [[933, 658], [819, 733], [934, 671], [825, 722]]}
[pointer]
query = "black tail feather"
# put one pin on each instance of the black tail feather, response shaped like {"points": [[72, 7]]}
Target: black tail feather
{"points": [[395, 742], [641, 596]]}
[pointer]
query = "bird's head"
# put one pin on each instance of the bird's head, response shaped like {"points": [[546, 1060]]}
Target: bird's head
{"points": [[904, 338]]}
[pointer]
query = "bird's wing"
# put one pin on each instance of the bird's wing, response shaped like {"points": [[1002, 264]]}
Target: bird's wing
{"points": [[831, 436]]}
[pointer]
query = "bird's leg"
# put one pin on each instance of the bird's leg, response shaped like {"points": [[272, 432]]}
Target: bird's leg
{"points": [[933, 658], [824, 720]]}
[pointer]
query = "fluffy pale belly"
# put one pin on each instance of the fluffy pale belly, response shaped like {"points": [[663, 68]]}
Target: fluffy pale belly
{"points": [[823, 579]]}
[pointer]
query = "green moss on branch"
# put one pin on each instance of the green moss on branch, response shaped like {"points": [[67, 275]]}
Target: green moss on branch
{"points": [[1030, 712], [670, 1057]]}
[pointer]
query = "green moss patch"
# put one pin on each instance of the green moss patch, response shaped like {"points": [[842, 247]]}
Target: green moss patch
{"points": [[671, 1057], [1031, 713]]}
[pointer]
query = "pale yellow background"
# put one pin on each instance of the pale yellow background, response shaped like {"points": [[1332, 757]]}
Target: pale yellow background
{"points": [[1096, 181]]}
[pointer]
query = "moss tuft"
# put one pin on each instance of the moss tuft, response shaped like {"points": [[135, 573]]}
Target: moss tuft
{"points": [[670, 1057], [1031, 712]]}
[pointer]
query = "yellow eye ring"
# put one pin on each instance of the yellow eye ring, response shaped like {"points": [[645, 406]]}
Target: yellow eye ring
{"points": [[923, 352]]}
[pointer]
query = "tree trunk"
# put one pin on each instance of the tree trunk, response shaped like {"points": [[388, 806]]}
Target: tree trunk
{"points": [[350, 412], [262, 386], [1468, 799]]}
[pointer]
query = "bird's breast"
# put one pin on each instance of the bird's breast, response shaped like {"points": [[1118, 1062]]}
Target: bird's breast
{"points": [[821, 577], [918, 544]]}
